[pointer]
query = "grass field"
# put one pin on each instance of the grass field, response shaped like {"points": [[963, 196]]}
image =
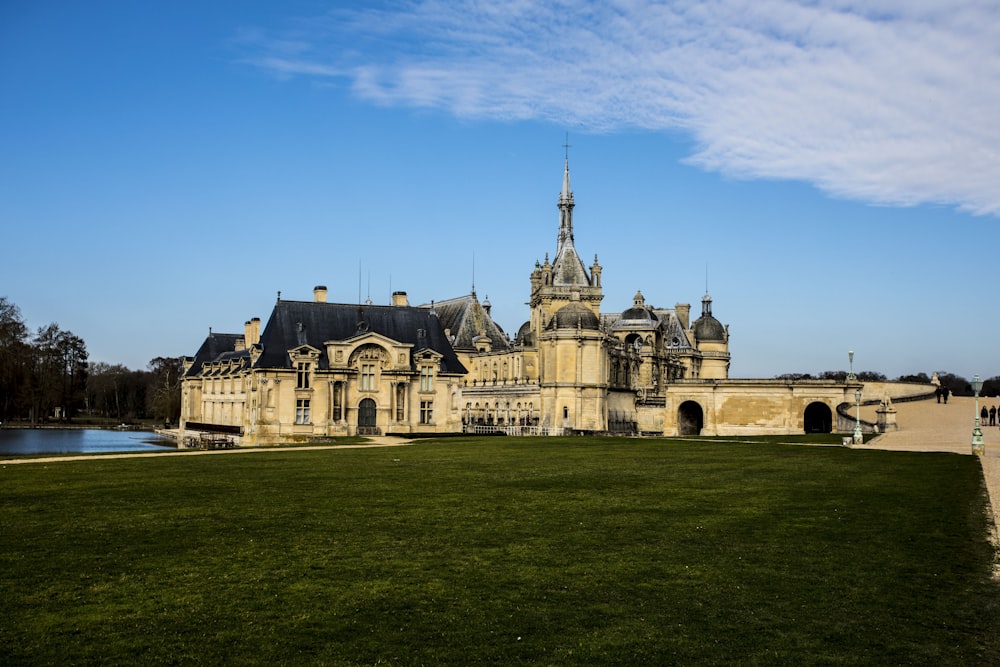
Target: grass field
{"points": [[501, 551]]}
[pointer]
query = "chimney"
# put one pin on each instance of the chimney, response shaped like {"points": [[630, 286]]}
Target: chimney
{"points": [[683, 311], [399, 299], [251, 332], [319, 294]]}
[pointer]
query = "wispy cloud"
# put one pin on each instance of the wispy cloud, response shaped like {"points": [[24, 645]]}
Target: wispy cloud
{"points": [[886, 101]]}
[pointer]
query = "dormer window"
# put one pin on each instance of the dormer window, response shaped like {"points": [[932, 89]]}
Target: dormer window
{"points": [[302, 374]]}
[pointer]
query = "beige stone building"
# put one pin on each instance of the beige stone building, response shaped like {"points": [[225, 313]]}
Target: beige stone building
{"points": [[322, 369]]}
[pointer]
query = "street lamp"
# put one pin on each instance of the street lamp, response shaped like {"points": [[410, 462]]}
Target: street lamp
{"points": [[850, 359], [978, 446], [858, 438]]}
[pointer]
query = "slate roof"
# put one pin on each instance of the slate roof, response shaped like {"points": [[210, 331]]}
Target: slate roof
{"points": [[217, 347], [466, 319], [707, 328], [574, 315], [664, 319], [672, 329], [568, 269], [296, 323]]}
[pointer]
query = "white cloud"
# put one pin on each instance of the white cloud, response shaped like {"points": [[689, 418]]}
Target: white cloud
{"points": [[891, 102]]}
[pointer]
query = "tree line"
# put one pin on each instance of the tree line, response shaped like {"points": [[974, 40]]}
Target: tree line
{"points": [[45, 376]]}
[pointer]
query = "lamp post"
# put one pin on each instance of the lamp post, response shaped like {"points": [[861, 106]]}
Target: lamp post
{"points": [[858, 438], [850, 359], [978, 446]]}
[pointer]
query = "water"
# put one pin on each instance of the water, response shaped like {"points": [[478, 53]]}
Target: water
{"points": [[15, 441]]}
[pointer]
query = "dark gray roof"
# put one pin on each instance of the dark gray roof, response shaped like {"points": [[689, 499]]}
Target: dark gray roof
{"points": [[215, 348], [525, 336], [574, 315], [707, 328], [568, 268], [637, 316], [467, 319], [673, 331], [296, 323]]}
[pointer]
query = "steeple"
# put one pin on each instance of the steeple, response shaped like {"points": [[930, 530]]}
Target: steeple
{"points": [[564, 280], [567, 267], [565, 212]]}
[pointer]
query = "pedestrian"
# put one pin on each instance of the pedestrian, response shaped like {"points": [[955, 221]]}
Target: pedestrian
{"points": [[993, 415], [984, 415], [937, 392], [944, 394]]}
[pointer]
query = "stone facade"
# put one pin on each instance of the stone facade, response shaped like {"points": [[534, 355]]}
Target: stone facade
{"points": [[322, 369]]}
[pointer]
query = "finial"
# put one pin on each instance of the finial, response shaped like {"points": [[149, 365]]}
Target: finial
{"points": [[567, 146], [279, 295]]}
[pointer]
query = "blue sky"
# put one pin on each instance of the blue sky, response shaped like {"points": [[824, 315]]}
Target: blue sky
{"points": [[833, 167]]}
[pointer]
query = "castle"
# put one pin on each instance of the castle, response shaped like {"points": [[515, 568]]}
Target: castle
{"points": [[322, 369]]}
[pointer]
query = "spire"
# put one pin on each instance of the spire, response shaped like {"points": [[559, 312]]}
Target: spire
{"points": [[567, 267], [565, 211]]}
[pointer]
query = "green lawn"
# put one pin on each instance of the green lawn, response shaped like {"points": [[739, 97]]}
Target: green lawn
{"points": [[501, 551]]}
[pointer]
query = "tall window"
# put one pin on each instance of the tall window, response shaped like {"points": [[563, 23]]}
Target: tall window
{"points": [[338, 407], [302, 375], [400, 402], [426, 412], [367, 377], [426, 378], [302, 411]]}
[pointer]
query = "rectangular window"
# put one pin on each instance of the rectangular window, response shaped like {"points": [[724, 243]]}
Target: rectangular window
{"points": [[302, 375], [426, 412], [302, 411], [426, 378], [337, 404], [367, 377]]}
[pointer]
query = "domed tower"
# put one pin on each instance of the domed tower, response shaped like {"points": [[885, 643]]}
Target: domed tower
{"points": [[573, 369], [565, 327], [711, 338]]}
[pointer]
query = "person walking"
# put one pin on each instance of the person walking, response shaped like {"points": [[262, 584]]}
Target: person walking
{"points": [[993, 415], [984, 416]]}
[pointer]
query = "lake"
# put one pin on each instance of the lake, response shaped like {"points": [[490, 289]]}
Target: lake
{"points": [[15, 441]]}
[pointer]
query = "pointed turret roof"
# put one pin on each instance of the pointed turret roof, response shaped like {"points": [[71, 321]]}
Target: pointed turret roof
{"points": [[568, 268], [467, 319]]}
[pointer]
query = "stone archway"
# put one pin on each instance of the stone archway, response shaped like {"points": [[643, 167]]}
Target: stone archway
{"points": [[690, 418], [818, 418]]}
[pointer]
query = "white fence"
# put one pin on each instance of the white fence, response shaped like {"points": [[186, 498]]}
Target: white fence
{"points": [[513, 429]]}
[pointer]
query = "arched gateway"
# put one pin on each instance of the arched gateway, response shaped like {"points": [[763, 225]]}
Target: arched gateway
{"points": [[818, 418], [690, 418]]}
